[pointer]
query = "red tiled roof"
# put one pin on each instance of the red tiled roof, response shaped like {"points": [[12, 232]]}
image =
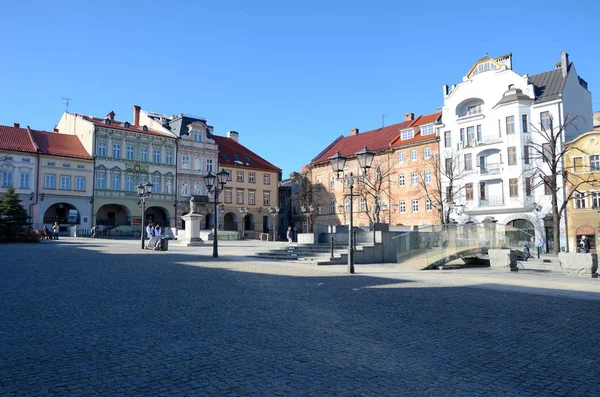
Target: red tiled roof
{"points": [[375, 140], [17, 139], [120, 125], [421, 120], [427, 119], [234, 154], [60, 145]]}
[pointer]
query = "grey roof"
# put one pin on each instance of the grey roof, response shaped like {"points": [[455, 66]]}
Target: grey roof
{"points": [[512, 95], [548, 85]]}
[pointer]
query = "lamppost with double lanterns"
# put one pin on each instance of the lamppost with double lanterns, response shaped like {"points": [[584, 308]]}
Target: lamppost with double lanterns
{"points": [[243, 213], [214, 185], [365, 159], [274, 211], [144, 191]]}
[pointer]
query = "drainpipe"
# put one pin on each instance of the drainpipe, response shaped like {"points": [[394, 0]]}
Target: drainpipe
{"points": [[93, 215]]}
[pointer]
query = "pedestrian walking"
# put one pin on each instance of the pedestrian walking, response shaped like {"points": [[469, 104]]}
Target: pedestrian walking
{"points": [[527, 251], [55, 230], [289, 236]]}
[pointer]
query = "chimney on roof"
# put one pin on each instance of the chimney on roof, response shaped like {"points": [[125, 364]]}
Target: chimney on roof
{"points": [[354, 131], [564, 62], [233, 135], [409, 116], [17, 125], [56, 130], [136, 115], [445, 90], [111, 115]]}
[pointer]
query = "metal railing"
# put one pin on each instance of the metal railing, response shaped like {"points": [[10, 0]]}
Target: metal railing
{"points": [[491, 201]]}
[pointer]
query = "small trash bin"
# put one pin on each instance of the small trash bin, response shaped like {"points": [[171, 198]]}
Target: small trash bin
{"points": [[165, 243]]}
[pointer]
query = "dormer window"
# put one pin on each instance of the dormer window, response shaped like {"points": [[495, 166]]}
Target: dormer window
{"points": [[126, 125], [145, 128], [427, 129], [407, 134], [107, 121]]}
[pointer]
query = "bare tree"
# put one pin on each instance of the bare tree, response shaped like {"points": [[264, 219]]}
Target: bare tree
{"points": [[547, 155], [373, 188], [307, 200], [443, 184]]}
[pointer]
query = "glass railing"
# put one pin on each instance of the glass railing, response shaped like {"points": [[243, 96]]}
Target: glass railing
{"points": [[432, 246]]}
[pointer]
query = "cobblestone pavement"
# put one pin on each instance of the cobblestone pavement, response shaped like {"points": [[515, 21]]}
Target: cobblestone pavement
{"points": [[89, 317]]}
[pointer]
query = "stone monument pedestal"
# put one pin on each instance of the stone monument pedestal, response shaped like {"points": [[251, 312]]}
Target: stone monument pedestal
{"points": [[192, 230], [192, 226]]}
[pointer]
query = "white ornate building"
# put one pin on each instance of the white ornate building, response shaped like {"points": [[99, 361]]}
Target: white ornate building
{"points": [[197, 154], [488, 120]]}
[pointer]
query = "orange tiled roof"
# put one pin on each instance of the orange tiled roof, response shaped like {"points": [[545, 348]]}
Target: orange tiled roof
{"points": [[234, 154], [60, 145], [421, 120], [375, 140], [17, 139]]}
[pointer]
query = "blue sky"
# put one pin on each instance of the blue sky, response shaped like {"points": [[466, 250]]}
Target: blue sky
{"points": [[289, 76]]}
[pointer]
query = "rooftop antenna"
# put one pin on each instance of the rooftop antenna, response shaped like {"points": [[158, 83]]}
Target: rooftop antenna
{"points": [[67, 100], [382, 119]]}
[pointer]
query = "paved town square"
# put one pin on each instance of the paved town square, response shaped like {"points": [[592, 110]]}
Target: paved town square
{"points": [[98, 317]]}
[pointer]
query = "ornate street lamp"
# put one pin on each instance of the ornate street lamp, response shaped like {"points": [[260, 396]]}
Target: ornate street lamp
{"points": [[365, 159], [274, 211], [214, 185], [243, 212], [144, 191]]}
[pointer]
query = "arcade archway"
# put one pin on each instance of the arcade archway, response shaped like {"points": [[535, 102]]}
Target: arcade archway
{"points": [[63, 213], [230, 221]]}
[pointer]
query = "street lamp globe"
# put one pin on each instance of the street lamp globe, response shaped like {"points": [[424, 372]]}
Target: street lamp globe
{"points": [[209, 180], [365, 158], [140, 189], [222, 177], [148, 187], [337, 162]]}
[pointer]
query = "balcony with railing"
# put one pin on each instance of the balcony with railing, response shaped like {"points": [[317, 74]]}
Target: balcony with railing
{"points": [[490, 169], [488, 140], [491, 201]]}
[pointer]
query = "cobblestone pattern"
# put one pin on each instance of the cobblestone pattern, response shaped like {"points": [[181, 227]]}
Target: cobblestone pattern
{"points": [[78, 322]]}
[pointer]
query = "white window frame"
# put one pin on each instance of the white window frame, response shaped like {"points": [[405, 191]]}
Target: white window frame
{"points": [[24, 180], [116, 150], [413, 155], [65, 182], [101, 180], [415, 205], [156, 184], [252, 177], [428, 205], [401, 180], [80, 183], [185, 162], [130, 152], [209, 165], [401, 157], [427, 129], [402, 207], [427, 152], [129, 187], [266, 198], [102, 149], [407, 134], [169, 157], [50, 181], [428, 177], [144, 154], [362, 204], [267, 179], [156, 156], [414, 178], [115, 182]]}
